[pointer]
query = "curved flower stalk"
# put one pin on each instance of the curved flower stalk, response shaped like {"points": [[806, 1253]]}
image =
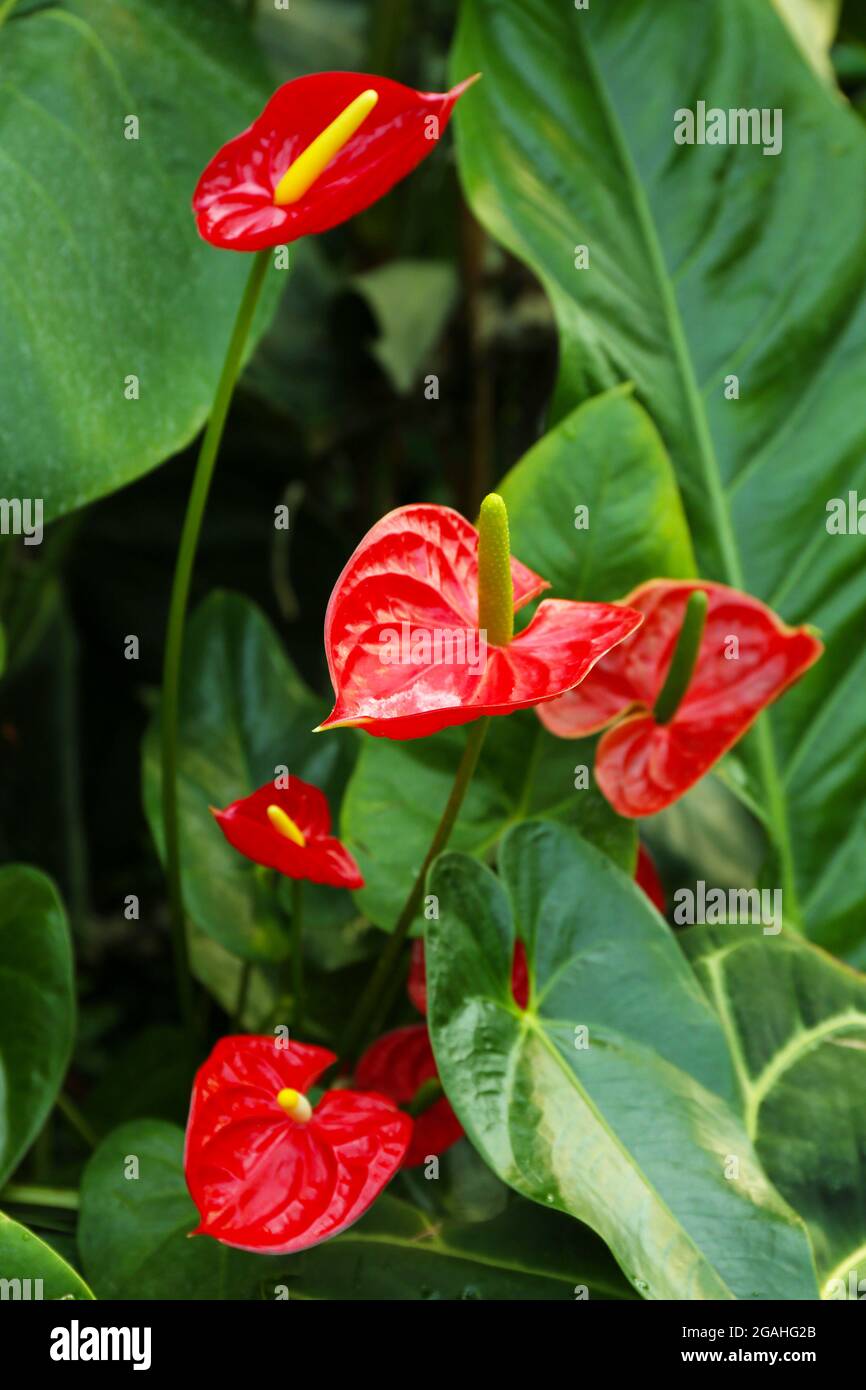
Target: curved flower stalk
{"points": [[681, 693], [324, 148], [268, 1170]]}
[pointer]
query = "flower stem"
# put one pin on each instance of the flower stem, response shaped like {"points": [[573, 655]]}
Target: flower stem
{"points": [[177, 622], [78, 1122], [374, 1000], [298, 954], [19, 1195]]}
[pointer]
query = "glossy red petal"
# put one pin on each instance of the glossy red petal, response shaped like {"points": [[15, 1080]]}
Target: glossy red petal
{"points": [[416, 984], [404, 654], [647, 878], [398, 1064], [234, 199], [263, 1181], [641, 766], [322, 859]]}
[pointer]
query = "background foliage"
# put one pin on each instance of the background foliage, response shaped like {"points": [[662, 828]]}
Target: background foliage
{"points": [[604, 388]]}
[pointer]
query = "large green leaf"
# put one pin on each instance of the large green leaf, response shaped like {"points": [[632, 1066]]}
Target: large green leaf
{"points": [[245, 712], [795, 1020], [606, 456], [627, 1127], [104, 275], [133, 1236], [37, 1007], [398, 792], [23, 1256], [707, 261]]}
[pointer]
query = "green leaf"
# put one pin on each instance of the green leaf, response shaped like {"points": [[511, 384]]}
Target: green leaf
{"points": [[244, 713], [813, 25], [23, 1256], [105, 276], [700, 268], [606, 456], [399, 789], [795, 1020], [133, 1236], [412, 302], [37, 1008], [628, 1127]]}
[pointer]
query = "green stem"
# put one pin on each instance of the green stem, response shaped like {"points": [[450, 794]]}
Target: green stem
{"points": [[371, 1002], [298, 954], [78, 1122], [177, 622], [237, 1022], [20, 1195]]}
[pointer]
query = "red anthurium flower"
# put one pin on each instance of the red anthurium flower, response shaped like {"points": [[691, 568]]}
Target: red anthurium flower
{"points": [[399, 1065], [324, 148], [744, 658], [419, 628], [266, 1170], [416, 985], [290, 830], [647, 878]]}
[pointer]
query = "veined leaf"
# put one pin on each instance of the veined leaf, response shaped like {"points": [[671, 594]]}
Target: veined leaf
{"points": [[398, 792], [707, 262], [133, 1236], [610, 1096], [104, 276], [607, 457], [795, 1020], [37, 1008]]}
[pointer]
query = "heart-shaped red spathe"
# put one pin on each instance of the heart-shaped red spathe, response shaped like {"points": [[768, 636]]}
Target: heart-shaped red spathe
{"points": [[401, 632], [321, 859], [747, 658], [416, 984], [397, 1065], [266, 1182], [234, 199]]}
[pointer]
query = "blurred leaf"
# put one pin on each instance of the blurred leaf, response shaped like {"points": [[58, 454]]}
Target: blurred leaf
{"points": [[398, 792], [101, 225], [150, 1077], [813, 25], [795, 1020], [628, 1127], [37, 1007], [312, 36], [244, 713], [412, 302], [24, 1256], [607, 456], [133, 1236], [698, 272]]}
